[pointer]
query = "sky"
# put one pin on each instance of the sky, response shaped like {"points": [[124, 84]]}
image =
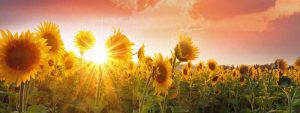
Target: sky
{"points": [[229, 31]]}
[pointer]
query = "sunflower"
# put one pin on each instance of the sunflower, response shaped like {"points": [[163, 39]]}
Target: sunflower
{"points": [[186, 72], [149, 62], [297, 63], [244, 69], [84, 40], [50, 32], [214, 80], [119, 47], [21, 56], [200, 66], [189, 64], [281, 65], [217, 91], [47, 68], [235, 73], [162, 74], [253, 73], [131, 69], [141, 53], [242, 80], [212, 65], [70, 63], [185, 49]]}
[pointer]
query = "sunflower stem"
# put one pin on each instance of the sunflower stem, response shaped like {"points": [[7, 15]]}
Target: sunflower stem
{"points": [[287, 94], [164, 104], [143, 95], [22, 98]]}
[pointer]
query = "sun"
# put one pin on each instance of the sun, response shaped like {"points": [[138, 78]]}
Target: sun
{"points": [[97, 54]]}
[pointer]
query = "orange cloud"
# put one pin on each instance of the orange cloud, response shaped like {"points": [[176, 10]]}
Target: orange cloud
{"points": [[220, 9], [143, 4], [18, 11]]}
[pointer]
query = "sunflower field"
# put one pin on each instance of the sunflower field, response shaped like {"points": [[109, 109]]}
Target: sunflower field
{"points": [[38, 75]]}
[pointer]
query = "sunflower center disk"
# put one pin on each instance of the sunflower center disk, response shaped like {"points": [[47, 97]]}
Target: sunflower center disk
{"points": [[161, 77], [69, 64], [21, 56], [51, 41]]}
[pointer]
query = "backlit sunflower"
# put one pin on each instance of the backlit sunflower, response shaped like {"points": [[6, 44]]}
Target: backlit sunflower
{"points": [[281, 65], [244, 69], [50, 32], [297, 63], [70, 63], [119, 47], [186, 73], [253, 73], [21, 56], [235, 73], [200, 66], [189, 65], [212, 65], [242, 80], [214, 80], [162, 74], [84, 40], [185, 49]]}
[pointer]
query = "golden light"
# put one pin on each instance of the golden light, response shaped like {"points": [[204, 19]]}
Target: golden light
{"points": [[98, 54]]}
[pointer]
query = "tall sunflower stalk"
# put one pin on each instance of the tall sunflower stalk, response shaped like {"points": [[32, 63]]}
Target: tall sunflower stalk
{"points": [[165, 101], [22, 98], [145, 91]]}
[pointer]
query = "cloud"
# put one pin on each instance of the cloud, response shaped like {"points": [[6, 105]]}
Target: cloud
{"points": [[19, 11], [282, 36], [221, 9], [143, 4]]}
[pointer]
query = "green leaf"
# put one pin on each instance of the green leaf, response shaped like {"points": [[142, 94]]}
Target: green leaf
{"points": [[37, 109]]}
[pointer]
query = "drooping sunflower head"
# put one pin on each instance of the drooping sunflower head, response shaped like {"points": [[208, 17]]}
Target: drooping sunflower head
{"points": [[244, 69], [141, 53], [297, 63], [162, 74], [50, 32], [185, 49], [84, 40], [70, 63], [281, 65], [212, 65], [119, 47], [21, 56]]}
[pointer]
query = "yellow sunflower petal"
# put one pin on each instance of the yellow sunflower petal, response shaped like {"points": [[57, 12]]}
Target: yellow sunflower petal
{"points": [[84, 40], [51, 32], [21, 56], [119, 47], [185, 49], [162, 77]]}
